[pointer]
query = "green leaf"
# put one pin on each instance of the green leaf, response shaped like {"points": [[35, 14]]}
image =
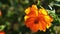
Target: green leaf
{"points": [[2, 27]]}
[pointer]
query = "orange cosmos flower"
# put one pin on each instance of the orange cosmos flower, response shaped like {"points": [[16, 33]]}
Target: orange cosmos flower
{"points": [[37, 19]]}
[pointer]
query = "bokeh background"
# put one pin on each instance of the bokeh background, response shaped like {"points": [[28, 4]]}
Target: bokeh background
{"points": [[12, 16]]}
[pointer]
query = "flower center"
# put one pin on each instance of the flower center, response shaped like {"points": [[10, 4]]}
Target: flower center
{"points": [[36, 21]]}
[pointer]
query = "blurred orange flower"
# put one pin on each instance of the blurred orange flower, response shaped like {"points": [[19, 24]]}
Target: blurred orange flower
{"points": [[37, 19], [0, 13], [2, 32]]}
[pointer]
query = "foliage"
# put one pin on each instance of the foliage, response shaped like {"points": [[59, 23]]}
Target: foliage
{"points": [[12, 16]]}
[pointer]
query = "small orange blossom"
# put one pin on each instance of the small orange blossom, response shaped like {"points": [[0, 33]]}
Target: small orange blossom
{"points": [[37, 19]]}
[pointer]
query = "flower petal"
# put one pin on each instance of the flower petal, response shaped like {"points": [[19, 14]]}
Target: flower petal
{"points": [[26, 17], [43, 11], [27, 11], [34, 28]]}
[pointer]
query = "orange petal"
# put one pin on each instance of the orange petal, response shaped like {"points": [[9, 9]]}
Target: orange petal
{"points": [[43, 11], [29, 22], [34, 28], [48, 21], [26, 17], [43, 25], [40, 26], [35, 9], [48, 18], [32, 11], [48, 25], [27, 11]]}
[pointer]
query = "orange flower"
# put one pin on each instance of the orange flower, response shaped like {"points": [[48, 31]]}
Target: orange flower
{"points": [[37, 19], [2, 32], [0, 13]]}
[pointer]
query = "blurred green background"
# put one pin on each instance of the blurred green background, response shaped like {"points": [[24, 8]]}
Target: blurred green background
{"points": [[12, 19]]}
